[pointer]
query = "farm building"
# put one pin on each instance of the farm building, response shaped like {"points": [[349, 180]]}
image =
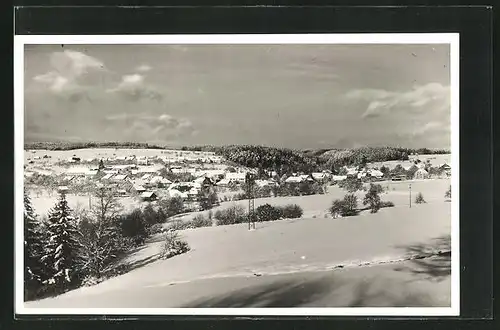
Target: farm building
{"points": [[295, 179], [421, 174], [176, 193], [139, 189], [339, 177], [399, 177], [203, 181], [237, 176], [107, 177], [224, 182], [120, 177], [149, 196], [321, 176], [265, 183], [376, 173]]}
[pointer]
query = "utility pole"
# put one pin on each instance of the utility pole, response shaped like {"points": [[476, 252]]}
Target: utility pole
{"points": [[250, 182], [409, 187]]}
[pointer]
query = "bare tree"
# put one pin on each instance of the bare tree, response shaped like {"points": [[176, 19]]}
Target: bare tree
{"points": [[102, 240]]}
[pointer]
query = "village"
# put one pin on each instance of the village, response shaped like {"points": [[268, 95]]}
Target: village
{"points": [[173, 173]]}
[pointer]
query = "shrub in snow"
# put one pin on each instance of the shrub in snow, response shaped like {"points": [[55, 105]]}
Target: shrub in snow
{"points": [[232, 215], [386, 204], [157, 228], [448, 193], [268, 212], [200, 220], [419, 199], [346, 207], [291, 211], [91, 280], [336, 208], [173, 245], [179, 224]]}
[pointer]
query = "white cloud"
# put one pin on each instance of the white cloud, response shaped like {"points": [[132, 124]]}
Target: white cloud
{"points": [[71, 63], [133, 87], [143, 68], [430, 97], [148, 127], [67, 68]]}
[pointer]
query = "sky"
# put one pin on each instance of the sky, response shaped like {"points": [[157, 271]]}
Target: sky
{"points": [[295, 96]]}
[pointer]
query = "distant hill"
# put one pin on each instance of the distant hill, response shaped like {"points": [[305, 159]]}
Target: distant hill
{"points": [[87, 145], [282, 160]]}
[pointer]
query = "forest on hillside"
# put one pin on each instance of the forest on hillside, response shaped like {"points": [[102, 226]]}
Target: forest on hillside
{"points": [[281, 160]]}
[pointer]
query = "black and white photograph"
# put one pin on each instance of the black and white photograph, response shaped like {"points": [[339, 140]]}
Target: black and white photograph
{"points": [[312, 174]]}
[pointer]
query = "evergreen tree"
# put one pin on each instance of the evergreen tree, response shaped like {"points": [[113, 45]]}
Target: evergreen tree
{"points": [[61, 251], [33, 251]]}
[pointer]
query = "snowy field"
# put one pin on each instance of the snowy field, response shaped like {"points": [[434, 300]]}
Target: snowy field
{"points": [[318, 205], [369, 249]]}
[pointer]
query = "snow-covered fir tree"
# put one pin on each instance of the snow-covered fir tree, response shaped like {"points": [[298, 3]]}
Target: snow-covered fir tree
{"points": [[61, 252], [33, 250]]}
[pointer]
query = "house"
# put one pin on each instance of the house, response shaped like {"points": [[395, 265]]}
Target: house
{"points": [[68, 178], [139, 189], [176, 193], [146, 177], [224, 182], [445, 167], [107, 177], [120, 177], [320, 176], [193, 193], [307, 177], [142, 160], [338, 177], [421, 174], [375, 173], [398, 177], [126, 185], [121, 192], [237, 176], [295, 179], [362, 175], [265, 183], [149, 196], [62, 189], [203, 181], [212, 174]]}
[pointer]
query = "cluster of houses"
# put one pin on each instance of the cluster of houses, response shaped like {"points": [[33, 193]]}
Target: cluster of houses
{"points": [[165, 156], [145, 177]]}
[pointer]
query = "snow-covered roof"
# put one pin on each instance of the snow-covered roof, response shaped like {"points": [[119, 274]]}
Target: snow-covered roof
{"points": [[319, 175], [107, 176], [177, 193], [295, 179], [147, 194], [120, 177], [236, 175], [263, 183], [376, 173], [223, 182], [339, 177]]}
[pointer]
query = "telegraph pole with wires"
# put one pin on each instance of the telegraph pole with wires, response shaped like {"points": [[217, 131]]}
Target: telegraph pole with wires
{"points": [[250, 184], [409, 188]]}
